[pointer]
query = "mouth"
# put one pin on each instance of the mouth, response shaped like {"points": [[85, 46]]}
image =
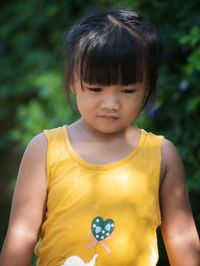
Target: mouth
{"points": [[109, 117]]}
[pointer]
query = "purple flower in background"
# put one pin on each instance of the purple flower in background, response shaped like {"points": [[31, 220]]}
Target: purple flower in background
{"points": [[152, 110], [183, 87]]}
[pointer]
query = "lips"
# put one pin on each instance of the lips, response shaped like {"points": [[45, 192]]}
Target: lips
{"points": [[109, 117]]}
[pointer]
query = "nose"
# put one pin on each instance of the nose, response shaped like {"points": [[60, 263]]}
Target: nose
{"points": [[110, 102]]}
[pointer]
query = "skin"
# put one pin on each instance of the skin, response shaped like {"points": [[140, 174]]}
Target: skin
{"points": [[105, 124]]}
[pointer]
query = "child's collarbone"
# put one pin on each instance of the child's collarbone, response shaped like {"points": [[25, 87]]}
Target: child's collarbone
{"points": [[103, 153]]}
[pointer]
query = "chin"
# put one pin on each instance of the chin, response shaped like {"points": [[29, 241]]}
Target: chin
{"points": [[108, 130]]}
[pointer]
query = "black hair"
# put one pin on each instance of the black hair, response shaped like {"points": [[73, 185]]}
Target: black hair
{"points": [[113, 47]]}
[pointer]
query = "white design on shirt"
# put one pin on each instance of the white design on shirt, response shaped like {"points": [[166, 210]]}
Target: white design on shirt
{"points": [[77, 261]]}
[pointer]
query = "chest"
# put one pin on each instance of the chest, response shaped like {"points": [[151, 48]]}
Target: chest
{"points": [[103, 153], [128, 183]]}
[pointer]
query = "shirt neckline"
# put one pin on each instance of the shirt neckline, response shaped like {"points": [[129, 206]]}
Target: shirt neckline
{"points": [[94, 166]]}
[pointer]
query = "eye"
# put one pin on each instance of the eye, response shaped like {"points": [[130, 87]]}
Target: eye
{"points": [[95, 89], [128, 90]]}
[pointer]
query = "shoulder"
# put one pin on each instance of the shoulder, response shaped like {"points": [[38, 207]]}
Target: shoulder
{"points": [[36, 150], [32, 170], [170, 154], [40, 141], [171, 163], [37, 144]]}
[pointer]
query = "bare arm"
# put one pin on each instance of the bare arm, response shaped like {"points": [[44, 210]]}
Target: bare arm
{"points": [[28, 206], [178, 227]]}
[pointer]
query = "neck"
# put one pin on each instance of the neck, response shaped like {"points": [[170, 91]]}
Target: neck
{"points": [[93, 133]]}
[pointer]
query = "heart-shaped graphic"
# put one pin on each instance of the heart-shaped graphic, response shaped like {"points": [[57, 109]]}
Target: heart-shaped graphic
{"points": [[102, 229]]}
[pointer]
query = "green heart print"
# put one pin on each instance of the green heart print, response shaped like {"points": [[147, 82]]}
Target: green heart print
{"points": [[102, 229]]}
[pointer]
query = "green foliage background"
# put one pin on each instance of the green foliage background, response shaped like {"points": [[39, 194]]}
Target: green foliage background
{"points": [[32, 95]]}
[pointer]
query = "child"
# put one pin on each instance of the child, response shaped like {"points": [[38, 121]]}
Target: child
{"points": [[94, 192]]}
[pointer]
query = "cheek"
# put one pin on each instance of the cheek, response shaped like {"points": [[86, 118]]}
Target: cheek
{"points": [[80, 106], [133, 107], [84, 104], [133, 104]]}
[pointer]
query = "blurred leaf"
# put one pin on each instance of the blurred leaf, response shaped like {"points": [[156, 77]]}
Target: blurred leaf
{"points": [[192, 38], [193, 104]]}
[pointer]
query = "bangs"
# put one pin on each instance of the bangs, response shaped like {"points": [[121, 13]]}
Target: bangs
{"points": [[116, 56]]}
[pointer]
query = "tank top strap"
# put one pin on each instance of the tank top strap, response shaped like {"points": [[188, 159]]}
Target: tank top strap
{"points": [[152, 163], [56, 151], [153, 141]]}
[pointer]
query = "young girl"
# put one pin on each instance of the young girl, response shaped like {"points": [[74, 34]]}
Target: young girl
{"points": [[94, 192]]}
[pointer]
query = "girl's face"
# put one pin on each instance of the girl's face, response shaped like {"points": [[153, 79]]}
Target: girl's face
{"points": [[109, 109]]}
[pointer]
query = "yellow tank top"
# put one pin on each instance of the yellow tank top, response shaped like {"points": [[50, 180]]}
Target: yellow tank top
{"points": [[102, 215]]}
